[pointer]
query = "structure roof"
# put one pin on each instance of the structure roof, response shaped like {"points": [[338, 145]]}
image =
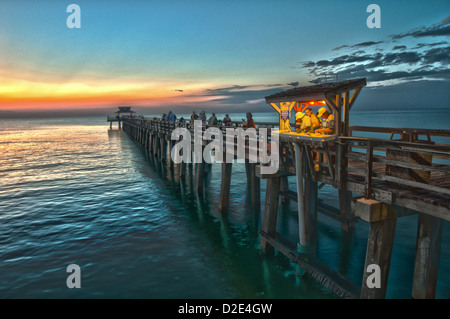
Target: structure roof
{"points": [[316, 92], [125, 109]]}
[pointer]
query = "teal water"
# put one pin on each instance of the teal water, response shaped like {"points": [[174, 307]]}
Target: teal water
{"points": [[74, 192]]}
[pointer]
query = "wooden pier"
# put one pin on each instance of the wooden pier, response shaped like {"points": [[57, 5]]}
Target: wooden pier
{"points": [[379, 179]]}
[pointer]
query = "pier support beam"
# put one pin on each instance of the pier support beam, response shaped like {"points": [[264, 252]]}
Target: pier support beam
{"points": [[300, 195], [382, 221], [225, 187], [163, 148], [255, 187], [284, 188], [429, 233], [311, 199], [345, 200], [269, 220]]}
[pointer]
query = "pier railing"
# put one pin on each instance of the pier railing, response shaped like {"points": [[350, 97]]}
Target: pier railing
{"points": [[157, 126], [377, 168]]}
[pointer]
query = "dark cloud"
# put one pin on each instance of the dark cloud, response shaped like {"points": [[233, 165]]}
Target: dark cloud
{"points": [[178, 90], [379, 67], [441, 55], [308, 64], [445, 21], [422, 45], [240, 95], [341, 47], [345, 59], [358, 45], [293, 83], [439, 29], [401, 57], [425, 61]]}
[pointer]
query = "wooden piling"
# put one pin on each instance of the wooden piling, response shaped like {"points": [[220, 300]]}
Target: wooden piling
{"points": [[429, 233], [284, 188], [300, 194], [163, 148], [200, 177], [225, 187], [255, 187], [311, 200], [382, 221], [269, 218]]}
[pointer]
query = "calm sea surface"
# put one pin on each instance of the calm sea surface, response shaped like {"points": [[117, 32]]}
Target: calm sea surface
{"points": [[74, 192]]}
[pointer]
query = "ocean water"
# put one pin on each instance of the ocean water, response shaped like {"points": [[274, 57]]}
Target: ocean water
{"points": [[74, 192]]}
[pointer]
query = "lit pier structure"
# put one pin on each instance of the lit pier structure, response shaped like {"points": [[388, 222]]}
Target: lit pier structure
{"points": [[123, 110], [379, 179], [375, 187]]}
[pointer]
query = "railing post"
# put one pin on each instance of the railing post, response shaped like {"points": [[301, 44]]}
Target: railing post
{"points": [[369, 165]]}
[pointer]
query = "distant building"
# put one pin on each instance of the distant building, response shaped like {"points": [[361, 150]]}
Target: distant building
{"points": [[123, 110]]}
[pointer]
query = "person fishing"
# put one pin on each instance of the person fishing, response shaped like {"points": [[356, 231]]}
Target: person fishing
{"points": [[303, 123], [328, 123]]}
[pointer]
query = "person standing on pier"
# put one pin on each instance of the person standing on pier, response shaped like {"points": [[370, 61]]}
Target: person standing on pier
{"points": [[203, 117], [227, 120], [194, 116], [212, 120], [249, 123], [328, 124], [172, 117]]}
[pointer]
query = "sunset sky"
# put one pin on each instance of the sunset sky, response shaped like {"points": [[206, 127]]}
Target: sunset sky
{"points": [[218, 54]]}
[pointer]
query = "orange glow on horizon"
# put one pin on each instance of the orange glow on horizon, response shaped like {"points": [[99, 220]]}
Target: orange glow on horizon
{"points": [[28, 95]]}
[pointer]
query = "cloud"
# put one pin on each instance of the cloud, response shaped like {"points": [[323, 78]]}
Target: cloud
{"points": [[440, 55], [237, 97], [428, 61], [410, 65], [439, 29], [445, 21], [422, 45], [178, 90], [358, 45]]}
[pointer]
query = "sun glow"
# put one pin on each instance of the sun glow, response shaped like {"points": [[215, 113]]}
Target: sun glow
{"points": [[25, 94]]}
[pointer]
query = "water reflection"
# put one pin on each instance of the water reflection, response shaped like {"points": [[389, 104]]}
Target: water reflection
{"points": [[234, 235]]}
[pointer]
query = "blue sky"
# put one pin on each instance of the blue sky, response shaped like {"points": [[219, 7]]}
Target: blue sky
{"points": [[218, 54]]}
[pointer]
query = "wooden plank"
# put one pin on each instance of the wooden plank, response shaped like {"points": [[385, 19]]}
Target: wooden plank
{"points": [[437, 169], [378, 194], [325, 275], [433, 188], [354, 96], [429, 208], [373, 129], [310, 163], [329, 163]]}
